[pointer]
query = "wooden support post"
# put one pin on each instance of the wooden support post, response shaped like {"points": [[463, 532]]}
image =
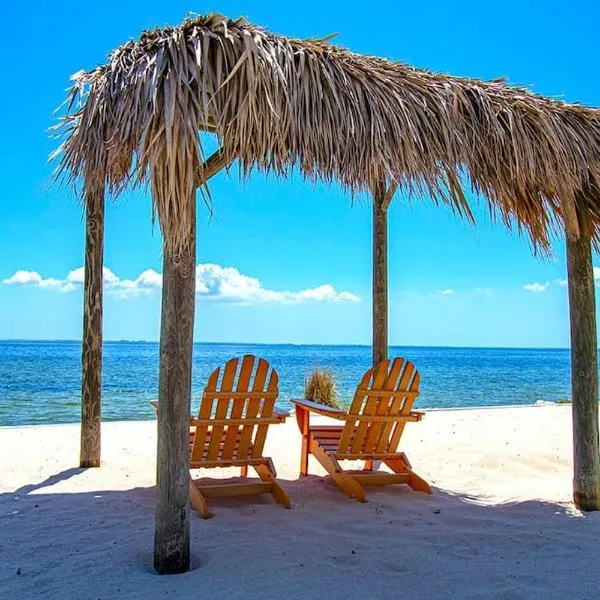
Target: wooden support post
{"points": [[91, 376], [382, 196], [584, 369], [172, 532], [172, 519]]}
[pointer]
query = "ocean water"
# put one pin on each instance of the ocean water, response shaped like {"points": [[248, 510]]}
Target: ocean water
{"points": [[40, 381]]}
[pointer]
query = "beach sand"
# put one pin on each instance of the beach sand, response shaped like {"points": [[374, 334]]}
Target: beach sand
{"points": [[499, 524]]}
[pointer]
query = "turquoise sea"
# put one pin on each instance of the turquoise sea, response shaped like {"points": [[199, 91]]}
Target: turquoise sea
{"points": [[40, 381]]}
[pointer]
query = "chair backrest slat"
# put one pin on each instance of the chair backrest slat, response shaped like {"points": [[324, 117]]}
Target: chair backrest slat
{"points": [[368, 406], [238, 405], [252, 406], [412, 378], [384, 406], [355, 407], [389, 389], [252, 384], [222, 408], [265, 409], [201, 435]]}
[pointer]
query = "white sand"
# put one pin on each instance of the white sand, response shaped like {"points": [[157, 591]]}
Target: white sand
{"points": [[499, 525]]}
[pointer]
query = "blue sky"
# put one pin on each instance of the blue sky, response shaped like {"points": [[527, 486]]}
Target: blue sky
{"points": [[450, 284]]}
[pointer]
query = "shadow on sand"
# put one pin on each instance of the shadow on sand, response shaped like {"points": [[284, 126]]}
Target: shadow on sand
{"points": [[48, 482], [98, 544]]}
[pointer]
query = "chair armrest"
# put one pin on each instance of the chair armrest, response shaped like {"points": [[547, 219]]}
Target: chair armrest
{"points": [[280, 413], [418, 414], [321, 409]]}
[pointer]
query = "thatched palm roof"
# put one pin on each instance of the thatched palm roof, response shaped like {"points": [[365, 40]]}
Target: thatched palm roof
{"points": [[276, 102]]}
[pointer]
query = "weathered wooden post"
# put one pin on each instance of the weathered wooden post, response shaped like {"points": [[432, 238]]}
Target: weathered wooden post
{"points": [[584, 361], [382, 196], [91, 376], [172, 524], [172, 528]]}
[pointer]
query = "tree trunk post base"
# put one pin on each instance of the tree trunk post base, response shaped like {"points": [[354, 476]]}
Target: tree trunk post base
{"points": [[584, 368]]}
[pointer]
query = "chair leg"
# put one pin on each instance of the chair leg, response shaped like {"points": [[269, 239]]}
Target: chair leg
{"points": [[303, 418], [279, 494], [349, 485], [415, 482], [418, 484], [304, 457], [345, 482], [244, 472], [399, 464], [368, 465], [198, 501]]}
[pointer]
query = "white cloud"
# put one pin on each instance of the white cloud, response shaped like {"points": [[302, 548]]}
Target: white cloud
{"points": [[76, 277], [446, 292], [347, 297], [537, 287], [23, 278], [32, 278], [213, 282], [145, 283], [561, 282]]}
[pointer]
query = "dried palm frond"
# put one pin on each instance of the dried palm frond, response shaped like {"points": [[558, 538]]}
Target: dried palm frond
{"points": [[277, 103]]}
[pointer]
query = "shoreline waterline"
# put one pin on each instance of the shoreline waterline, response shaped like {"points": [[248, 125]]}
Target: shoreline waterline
{"points": [[292, 414]]}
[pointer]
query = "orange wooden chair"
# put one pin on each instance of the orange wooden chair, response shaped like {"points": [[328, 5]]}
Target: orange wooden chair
{"points": [[372, 429], [237, 407]]}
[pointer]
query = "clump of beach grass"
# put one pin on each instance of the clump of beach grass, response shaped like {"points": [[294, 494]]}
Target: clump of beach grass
{"points": [[563, 401], [319, 387]]}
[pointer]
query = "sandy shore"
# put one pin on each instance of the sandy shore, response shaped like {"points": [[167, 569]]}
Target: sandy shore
{"points": [[499, 525]]}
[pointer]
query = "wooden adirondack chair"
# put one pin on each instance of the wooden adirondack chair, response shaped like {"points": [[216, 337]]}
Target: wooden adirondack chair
{"points": [[373, 427], [237, 407]]}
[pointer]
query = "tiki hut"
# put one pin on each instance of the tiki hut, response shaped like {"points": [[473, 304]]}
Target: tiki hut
{"points": [[278, 104]]}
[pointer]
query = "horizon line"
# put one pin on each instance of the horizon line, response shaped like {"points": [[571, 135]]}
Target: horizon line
{"points": [[351, 345]]}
